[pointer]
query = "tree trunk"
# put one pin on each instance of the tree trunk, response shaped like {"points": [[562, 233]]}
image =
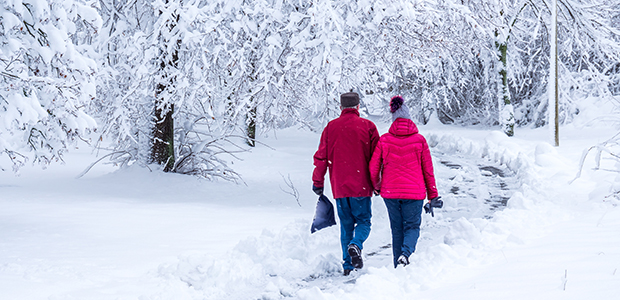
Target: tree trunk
{"points": [[163, 134], [251, 126], [163, 138], [506, 110], [251, 114]]}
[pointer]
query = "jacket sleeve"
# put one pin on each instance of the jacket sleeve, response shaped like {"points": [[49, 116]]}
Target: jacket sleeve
{"points": [[427, 171], [375, 166], [320, 161], [374, 138]]}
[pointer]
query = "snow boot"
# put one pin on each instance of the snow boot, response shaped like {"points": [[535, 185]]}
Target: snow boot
{"points": [[403, 261], [356, 256], [347, 272]]}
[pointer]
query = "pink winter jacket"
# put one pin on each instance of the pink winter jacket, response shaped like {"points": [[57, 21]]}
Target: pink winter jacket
{"points": [[401, 165]]}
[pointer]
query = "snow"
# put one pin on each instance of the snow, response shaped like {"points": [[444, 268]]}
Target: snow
{"points": [[89, 14], [137, 234], [9, 20]]}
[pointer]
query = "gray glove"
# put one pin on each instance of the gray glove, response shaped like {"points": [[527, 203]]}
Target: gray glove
{"points": [[435, 202], [317, 190]]}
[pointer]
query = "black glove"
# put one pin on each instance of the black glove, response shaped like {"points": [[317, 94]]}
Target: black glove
{"points": [[317, 190], [377, 192], [435, 202]]}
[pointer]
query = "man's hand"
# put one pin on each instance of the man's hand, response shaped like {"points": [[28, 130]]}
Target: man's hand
{"points": [[317, 190]]}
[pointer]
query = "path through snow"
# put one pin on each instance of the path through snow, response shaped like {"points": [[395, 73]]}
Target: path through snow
{"points": [[471, 188], [285, 263]]}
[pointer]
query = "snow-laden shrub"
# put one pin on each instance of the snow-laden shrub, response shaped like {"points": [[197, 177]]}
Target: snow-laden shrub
{"points": [[607, 160]]}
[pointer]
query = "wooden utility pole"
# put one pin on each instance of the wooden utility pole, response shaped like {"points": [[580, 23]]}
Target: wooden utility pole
{"points": [[553, 73]]}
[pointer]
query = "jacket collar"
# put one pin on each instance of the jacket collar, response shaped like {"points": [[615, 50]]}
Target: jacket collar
{"points": [[350, 111]]}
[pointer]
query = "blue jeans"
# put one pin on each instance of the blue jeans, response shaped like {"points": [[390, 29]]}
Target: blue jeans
{"points": [[405, 219], [354, 214]]}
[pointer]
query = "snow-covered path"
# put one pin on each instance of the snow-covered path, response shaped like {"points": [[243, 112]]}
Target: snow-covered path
{"points": [[119, 236], [471, 188]]}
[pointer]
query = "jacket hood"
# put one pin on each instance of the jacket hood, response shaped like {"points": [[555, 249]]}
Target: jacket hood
{"points": [[403, 127]]}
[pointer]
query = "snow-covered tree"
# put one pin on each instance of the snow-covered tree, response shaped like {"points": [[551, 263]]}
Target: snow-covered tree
{"points": [[517, 33], [154, 66], [244, 67], [125, 93], [168, 39], [47, 78]]}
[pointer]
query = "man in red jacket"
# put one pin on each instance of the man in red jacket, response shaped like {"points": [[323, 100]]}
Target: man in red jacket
{"points": [[346, 146]]}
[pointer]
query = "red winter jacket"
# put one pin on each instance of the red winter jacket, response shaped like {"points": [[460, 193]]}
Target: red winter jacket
{"points": [[345, 149], [401, 166]]}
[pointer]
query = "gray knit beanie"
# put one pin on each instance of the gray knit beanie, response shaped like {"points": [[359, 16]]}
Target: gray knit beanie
{"points": [[398, 108]]}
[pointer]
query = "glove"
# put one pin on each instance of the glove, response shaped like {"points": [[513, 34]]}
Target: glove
{"points": [[377, 192], [435, 202], [317, 190]]}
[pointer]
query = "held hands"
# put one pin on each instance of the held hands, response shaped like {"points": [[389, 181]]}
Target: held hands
{"points": [[317, 190], [435, 202]]}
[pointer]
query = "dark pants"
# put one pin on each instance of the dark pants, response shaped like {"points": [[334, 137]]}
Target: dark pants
{"points": [[354, 214], [405, 219]]}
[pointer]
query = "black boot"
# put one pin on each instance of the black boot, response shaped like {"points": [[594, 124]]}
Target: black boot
{"points": [[403, 261], [356, 256]]}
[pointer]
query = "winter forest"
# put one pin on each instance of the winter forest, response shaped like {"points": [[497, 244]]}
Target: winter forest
{"points": [[163, 149], [176, 82]]}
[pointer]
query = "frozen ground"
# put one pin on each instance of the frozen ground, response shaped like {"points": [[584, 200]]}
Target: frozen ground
{"points": [[512, 228]]}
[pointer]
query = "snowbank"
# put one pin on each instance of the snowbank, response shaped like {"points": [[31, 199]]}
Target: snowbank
{"points": [[544, 216], [117, 237]]}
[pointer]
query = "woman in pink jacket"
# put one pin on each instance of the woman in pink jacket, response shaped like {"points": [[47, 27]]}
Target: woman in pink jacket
{"points": [[401, 170]]}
